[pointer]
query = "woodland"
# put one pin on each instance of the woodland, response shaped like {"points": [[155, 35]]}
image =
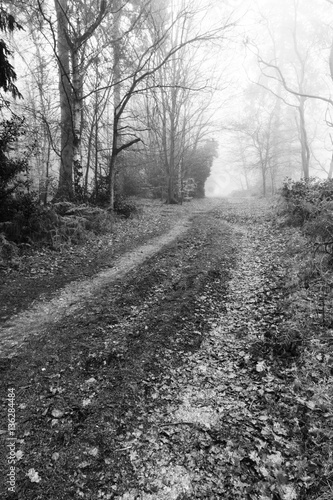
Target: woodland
{"points": [[106, 101], [166, 249]]}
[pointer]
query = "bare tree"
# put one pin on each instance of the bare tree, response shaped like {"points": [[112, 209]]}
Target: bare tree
{"points": [[70, 50], [131, 44], [176, 117], [294, 82], [299, 68], [262, 145]]}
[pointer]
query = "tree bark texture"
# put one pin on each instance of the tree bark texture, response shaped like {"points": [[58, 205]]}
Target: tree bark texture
{"points": [[116, 103], [65, 187]]}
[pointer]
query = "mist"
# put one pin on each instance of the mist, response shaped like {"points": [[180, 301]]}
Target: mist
{"points": [[277, 114]]}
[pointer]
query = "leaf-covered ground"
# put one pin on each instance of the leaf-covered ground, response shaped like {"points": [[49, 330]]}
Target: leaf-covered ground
{"points": [[191, 377], [40, 273]]}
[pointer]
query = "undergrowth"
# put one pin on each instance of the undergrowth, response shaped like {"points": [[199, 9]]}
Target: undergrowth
{"points": [[125, 207], [308, 206], [57, 226], [307, 334]]}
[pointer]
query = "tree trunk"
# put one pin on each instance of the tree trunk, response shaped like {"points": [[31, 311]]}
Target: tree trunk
{"points": [[112, 178], [47, 171], [330, 172], [172, 149], [96, 156], [264, 189], [77, 119], [305, 151], [113, 161], [171, 180], [89, 154], [263, 165], [65, 187], [171, 200], [116, 103]]}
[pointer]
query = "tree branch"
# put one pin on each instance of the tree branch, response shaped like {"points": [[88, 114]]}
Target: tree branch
{"points": [[286, 86], [127, 145]]}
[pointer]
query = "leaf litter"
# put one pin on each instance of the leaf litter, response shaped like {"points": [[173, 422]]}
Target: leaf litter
{"points": [[235, 431], [166, 385]]}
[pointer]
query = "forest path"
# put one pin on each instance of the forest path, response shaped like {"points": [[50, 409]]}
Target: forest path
{"points": [[31, 321], [161, 383]]}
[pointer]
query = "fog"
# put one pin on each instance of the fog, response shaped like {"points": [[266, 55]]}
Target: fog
{"points": [[277, 114], [252, 75]]}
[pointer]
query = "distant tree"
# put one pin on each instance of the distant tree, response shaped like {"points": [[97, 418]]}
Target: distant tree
{"points": [[159, 70], [176, 109], [291, 75], [262, 141]]}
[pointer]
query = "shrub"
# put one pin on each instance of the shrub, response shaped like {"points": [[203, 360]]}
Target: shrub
{"points": [[125, 207], [8, 250], [100, 196], [95, 219], [13, 170], [305, 200], [18, 215], [29, 226], [310, 206], [57, 225]]}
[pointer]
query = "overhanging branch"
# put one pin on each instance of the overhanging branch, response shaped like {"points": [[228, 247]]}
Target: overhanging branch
{"points": [[127, 145], [286, 86]]}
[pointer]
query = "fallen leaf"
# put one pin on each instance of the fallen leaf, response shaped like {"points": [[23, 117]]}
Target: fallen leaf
{"points": [[93, 451], [57, 413], [33, 476]]}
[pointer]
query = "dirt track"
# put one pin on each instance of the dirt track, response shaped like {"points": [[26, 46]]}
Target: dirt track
{"points": [[152, 387], [31, 321]]}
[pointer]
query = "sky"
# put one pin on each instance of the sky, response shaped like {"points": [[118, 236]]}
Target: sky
{"points": [[265, 27]]}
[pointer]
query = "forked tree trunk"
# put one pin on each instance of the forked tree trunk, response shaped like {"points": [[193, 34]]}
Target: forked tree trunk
{"points": [[69, 52]]}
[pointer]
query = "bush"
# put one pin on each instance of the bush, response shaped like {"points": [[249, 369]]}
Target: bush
{"points": [[309, 204], [8, 250], [305, 200], [18, 216], [94, 219], [57, 225], [22, 218], [125, 207], [13, 170]]}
